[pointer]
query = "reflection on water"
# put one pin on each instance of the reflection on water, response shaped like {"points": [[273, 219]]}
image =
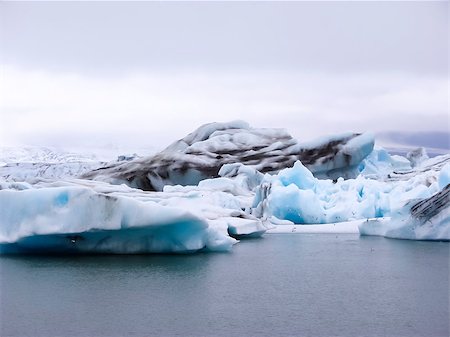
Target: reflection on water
{"points": [[280, 285]]}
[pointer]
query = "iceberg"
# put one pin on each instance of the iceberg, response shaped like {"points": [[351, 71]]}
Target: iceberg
{"points": [[75, 219], [295, 196], [81, 216], [201, 154], [428, 219]]}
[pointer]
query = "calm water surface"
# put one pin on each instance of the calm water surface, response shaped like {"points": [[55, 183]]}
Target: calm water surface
{"points": [[280, 285]]}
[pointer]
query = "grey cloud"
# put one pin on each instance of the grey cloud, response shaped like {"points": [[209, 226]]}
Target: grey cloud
{"points": [[114, 37]]}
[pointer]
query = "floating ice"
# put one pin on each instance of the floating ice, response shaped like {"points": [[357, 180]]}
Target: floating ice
{"points": [[428, 219], [84, 225], [296, 195], [78, 219], [201, 154]]}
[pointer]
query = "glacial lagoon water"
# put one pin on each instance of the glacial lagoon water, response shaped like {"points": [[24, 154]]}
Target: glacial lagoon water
{"points": [[279, 285]]}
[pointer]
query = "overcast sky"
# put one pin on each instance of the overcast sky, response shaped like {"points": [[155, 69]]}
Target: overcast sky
{"points": [[147, 73]]}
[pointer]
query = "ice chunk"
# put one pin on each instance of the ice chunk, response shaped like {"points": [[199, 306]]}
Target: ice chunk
{"points": [[299, 175], [296, 205], [78, 219], [428, 219], [295, 195], [202, 154], [240, 227]]}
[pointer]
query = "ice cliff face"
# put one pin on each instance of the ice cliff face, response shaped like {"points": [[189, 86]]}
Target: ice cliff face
{"points": [[201, 154]]}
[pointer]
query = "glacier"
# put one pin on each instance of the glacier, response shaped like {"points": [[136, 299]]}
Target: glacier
{"points": [[341, 184], [35, 162]]}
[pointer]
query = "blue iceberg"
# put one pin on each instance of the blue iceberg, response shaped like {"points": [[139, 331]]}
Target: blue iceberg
{"points": [[296, 196], [73, 219]]}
